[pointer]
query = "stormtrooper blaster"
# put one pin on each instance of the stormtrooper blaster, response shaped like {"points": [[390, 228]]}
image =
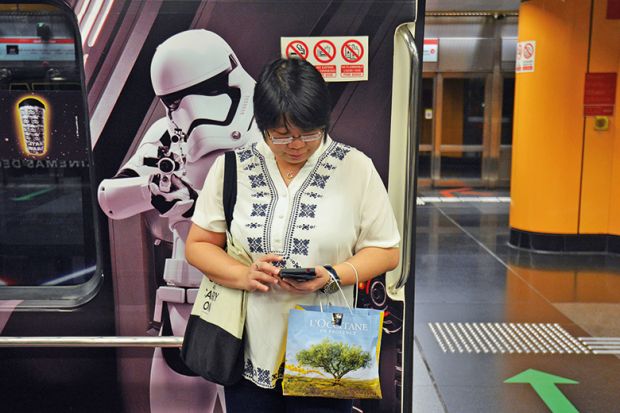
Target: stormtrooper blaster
{"points": [[172, 161]]}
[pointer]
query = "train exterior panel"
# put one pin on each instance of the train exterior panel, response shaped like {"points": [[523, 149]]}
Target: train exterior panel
{"points": [[94, 221]]}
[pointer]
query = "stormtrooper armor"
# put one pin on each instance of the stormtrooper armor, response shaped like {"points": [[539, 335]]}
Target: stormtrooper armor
{"points": [[207, 97], [208, 100], [206, 92]]}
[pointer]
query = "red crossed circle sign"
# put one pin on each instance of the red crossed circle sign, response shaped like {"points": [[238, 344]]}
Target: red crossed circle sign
{"points": [[528, 50], [352, 51], [324, 51], [297, 48]]}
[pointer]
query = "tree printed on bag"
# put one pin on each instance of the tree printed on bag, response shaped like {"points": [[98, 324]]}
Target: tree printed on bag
{"points": [[336, 359]]}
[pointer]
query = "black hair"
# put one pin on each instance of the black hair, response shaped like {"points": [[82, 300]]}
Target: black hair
{"points": [[291, 91]]}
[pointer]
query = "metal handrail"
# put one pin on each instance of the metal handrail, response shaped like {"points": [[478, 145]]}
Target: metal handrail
{"points": [[92, 341], [496, 14], [408, 230]]}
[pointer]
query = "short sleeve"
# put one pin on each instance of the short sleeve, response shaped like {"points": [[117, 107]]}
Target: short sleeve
{"points": [[209, 211], [378, 227]]}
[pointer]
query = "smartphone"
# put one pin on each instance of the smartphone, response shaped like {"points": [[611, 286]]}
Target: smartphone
{"points": [[298, 274]]}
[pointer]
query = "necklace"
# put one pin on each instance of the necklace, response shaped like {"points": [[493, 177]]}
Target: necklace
{"points": [[287, 174]]}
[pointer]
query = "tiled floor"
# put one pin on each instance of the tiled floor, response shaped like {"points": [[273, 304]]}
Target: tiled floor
{"points": [[466, 272]]}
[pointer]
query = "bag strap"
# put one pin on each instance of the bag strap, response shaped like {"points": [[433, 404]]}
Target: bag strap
{"points": [[229, 198]]}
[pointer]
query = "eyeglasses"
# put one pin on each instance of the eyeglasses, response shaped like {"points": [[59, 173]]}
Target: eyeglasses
{"points": [[285, 140]]}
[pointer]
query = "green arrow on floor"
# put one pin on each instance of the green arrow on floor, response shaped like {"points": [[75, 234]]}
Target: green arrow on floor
{"points": [[545, 385], [32, 195]]}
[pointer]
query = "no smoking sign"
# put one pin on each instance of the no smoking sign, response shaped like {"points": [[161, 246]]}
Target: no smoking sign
{"points": [[526, 56], [297, 48], [528, 50]]}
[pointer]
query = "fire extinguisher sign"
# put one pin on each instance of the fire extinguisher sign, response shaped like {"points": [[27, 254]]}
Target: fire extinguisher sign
{"points": [[338, 58]]}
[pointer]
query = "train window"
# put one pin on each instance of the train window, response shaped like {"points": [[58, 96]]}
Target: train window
{"points": [[48, 248]]}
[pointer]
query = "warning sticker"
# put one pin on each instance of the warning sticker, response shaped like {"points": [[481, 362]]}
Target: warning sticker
{"points": [[431, 50], [338, 58], [526, 56], [328, 71], [298, 49], [324, 51], [352, 51]]}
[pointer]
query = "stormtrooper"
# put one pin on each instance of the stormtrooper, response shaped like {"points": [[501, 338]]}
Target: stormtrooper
{"points": [[207, 97]]}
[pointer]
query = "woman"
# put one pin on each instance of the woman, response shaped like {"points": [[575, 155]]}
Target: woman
{"points": [[303, 200]]}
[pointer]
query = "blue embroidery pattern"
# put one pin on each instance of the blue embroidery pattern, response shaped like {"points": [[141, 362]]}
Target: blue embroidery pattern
{"points": [[329, 166], [314, 195], [248, 369], [262, 377], [307, 211], [255, 244], [250, 167], [319, 180], [257, 180], [306, 227], [260, 194], [244, 154], [254, 225], [293, 264], [340, 151], [300, 246], [259, 210]]}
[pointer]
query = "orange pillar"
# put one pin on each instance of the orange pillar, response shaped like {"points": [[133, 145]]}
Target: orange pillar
{"points": [[565, 185]]}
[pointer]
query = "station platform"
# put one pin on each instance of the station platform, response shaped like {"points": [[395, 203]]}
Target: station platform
{"points": [[499, 329]]}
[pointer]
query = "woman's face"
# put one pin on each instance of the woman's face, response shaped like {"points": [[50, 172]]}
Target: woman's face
{"points": [[298, 150]]}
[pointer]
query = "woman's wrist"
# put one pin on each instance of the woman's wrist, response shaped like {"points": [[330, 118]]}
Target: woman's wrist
{"points": [[333, 283], [347, 276]]}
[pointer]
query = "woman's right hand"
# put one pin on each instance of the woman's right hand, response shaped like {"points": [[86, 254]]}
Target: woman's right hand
{"points": [[261, 275]]}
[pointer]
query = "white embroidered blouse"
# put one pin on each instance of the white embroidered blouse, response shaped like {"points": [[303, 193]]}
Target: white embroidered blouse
{"points": [[335, 206]]}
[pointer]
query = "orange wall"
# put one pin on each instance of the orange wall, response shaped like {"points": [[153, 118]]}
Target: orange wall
{"points": [[452, 116], [600, 201], [565, 176]]}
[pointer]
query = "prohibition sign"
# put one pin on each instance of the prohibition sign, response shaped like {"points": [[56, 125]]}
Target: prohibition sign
{"points": [[324, 51], [352, 51], [528, 50], [297, 48]]}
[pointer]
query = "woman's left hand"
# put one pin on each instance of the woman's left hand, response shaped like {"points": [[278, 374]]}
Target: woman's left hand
{"points": [[306, 287]]}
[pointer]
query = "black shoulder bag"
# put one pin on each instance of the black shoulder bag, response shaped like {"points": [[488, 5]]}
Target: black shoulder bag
{"points": [[213, 342]]}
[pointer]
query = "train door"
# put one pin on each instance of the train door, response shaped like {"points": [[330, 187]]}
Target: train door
{"points": [[468, 89], [147, 288], [51, 279]]}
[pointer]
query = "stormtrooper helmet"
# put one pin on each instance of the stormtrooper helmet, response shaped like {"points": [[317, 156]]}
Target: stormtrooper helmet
{"points": [[206, 92]]}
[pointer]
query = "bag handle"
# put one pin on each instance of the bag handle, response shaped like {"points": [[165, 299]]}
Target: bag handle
{"points": [[356, 292], [229, 196], [344, 297]]}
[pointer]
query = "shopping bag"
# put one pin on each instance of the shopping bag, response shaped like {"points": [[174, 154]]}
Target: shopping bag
{"points": [[333, 353], [213, 341]]}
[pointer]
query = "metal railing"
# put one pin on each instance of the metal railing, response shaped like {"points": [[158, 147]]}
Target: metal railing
{"points": [[88, 341], [496, 14]]}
